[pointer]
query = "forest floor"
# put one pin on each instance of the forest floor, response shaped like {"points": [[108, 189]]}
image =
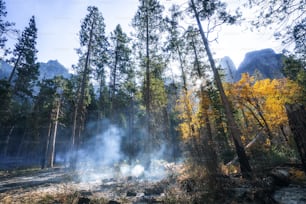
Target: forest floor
{"points": [[59, 186]]}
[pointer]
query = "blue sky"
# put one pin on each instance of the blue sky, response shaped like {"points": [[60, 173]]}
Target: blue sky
{"points": [[58, 23]]}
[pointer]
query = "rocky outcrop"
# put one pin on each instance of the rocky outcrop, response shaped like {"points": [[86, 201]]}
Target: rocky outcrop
{"points": [[51, 69], [229, 68], [261, 64], [47, 70]]}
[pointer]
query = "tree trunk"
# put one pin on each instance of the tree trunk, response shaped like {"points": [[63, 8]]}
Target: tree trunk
{"points": [[232, 125], [113, 85], [148, 84], [80, 109], [72, 159], [21, 145], [209, 153], [46, 146], [249, 145], [182, 68], [197, 63], [283, 132], [14, 68], [7, 141], [53, 137], [265, 121], [246, 121], [131, 114], [297, 121]]}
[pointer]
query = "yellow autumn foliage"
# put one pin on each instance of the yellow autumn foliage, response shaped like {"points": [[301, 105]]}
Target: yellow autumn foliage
{"points": [[193, 112], [266, 97], [274, 94], [188, 108]]}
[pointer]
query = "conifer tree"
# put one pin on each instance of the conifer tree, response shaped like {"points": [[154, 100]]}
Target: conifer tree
{"points": [[46, 116], [148, 23], [176, 43], [206, 11], [93, 57], [286, 18], [41, 116], [20, 86], [120, 63], [25, 65], [5, 26]]}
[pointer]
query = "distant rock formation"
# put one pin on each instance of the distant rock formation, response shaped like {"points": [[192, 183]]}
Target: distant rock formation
{"points": [[5, 70], [261, 64], [51, 69], [229, 68], [47, 70]]}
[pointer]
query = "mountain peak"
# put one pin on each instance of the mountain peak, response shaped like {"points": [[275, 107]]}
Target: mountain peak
{"points": [[51, 69], [53, 61], [256, 53], [229, 68], [47, 70], [265, 62]]}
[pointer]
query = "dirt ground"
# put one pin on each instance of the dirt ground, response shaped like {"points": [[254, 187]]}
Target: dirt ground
{"points": [[61, 186]]}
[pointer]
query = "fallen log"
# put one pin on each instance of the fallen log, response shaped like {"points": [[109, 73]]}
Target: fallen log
{"points": [[250, 144]]}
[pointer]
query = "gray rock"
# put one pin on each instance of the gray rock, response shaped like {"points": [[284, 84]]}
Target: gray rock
{"points": [[261, 64]]}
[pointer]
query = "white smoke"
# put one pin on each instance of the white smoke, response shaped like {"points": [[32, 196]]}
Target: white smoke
{"points": [[137, 170], [125, 170], [109, 146], [98, 157], [102, 158]]}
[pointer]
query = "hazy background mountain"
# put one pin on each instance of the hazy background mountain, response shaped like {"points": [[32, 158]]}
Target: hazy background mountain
{"points": [[51, 69], [5, 70], [47, 70], [229, 68], [260, 63]]}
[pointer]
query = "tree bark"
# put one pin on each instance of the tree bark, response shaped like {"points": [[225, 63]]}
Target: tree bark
{"points": [[72, 159], [113, 85], [297, 121], [81, 112], [46, 148], [7, 141], [53, 137], [79, 116], [14, 68], [148, 84], [182, 68], [210, 155], [232, 125]]}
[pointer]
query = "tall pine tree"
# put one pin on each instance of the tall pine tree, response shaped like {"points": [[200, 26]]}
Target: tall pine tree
{"points": [[25, 66], [120, 63], [93, 57], [206, 9], [5, 26], [149, 25]]}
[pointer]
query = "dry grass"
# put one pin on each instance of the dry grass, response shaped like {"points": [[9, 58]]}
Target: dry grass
{"points": [[191, 186], [38, 197]]}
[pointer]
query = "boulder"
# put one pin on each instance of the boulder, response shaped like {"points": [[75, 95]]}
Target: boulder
{"points": [[83, 200], [281, 176], [131, 193]]}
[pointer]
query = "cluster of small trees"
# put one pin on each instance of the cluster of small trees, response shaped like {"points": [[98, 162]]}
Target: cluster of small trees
{"points": [[123, 79]]}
